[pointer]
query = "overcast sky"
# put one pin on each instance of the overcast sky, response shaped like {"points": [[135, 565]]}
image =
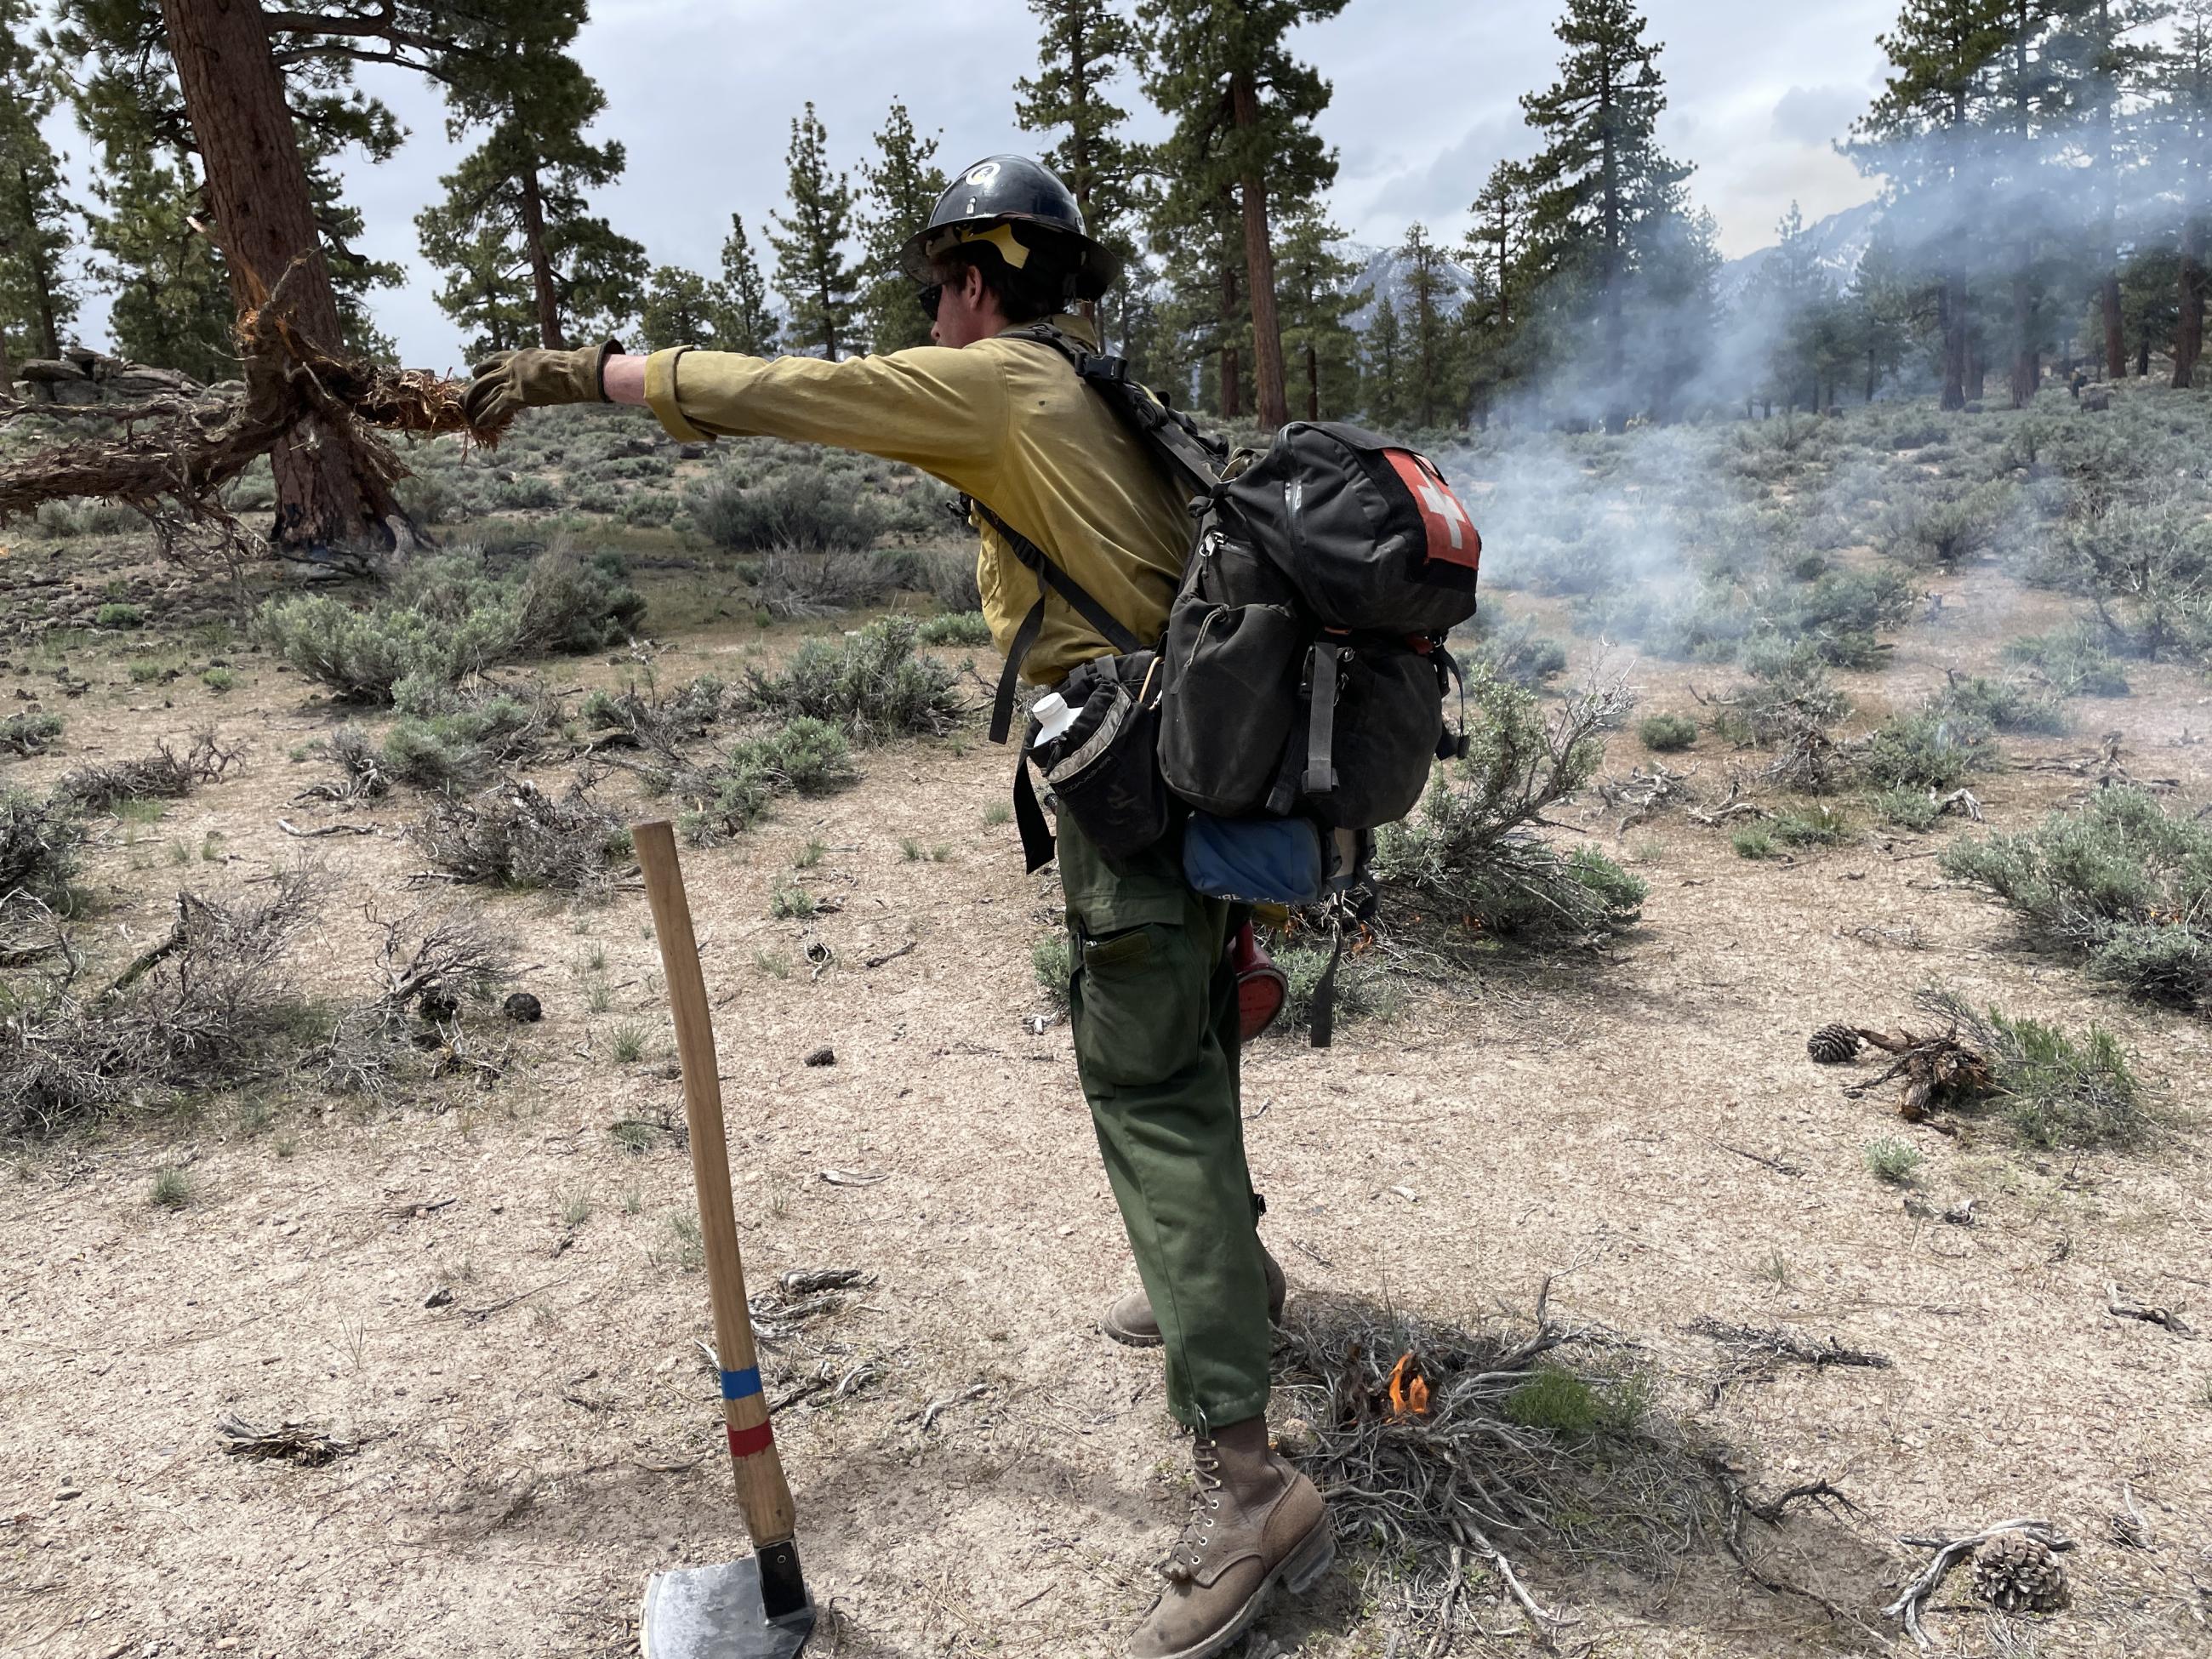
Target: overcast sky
{"points": [[702, 92]]}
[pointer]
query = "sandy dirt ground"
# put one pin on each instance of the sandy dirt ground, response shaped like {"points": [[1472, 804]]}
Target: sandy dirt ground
{"points": [[1644, 1126]]}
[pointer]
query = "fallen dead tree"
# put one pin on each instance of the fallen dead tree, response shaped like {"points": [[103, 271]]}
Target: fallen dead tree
{"points": [[170, 457]]}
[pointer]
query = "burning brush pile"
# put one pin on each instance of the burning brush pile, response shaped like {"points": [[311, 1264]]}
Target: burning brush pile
{"points": [[1446, 1448]]}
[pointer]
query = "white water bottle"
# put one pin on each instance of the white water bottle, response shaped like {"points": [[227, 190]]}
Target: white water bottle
{"points": [[1053, 716]]}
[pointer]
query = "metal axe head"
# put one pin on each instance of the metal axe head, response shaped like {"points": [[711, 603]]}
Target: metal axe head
{"points": [[723, 1612]]}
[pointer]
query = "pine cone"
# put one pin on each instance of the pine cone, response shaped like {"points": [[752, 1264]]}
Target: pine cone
{"points": [[1833, 1044], [2015, 1572]]}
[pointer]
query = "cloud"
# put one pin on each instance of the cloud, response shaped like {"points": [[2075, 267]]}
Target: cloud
{"points": [[1437, 191], [1817, 115]]}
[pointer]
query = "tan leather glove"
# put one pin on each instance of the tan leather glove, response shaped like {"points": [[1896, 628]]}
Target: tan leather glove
{"points": [[508, 382]]}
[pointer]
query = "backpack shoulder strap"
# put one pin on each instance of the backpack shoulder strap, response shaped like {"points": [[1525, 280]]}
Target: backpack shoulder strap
{"points": [[1195, 456]]}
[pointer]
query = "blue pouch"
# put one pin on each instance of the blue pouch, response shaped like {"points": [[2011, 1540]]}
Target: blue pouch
{"points": [[1256, 860]]}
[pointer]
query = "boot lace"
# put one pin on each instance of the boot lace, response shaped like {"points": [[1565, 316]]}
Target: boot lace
{"points": [[1184, 1561]]}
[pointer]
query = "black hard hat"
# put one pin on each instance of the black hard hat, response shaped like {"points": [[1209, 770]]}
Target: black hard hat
{"points": [[1041, 217]]}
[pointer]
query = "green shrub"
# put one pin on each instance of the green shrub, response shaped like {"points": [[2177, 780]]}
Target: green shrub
{"points": [[1927, 751], [172, 1189], [806, 756], [800, 585], [1816, 826], [1362, 992], [1908, 809], [1754, 841], [871, 685], [29, 733], [448, 746], [1941, 524], [2005, 705], [1668, 733], [956, 628], [1514, 650], [446, 617], [38, 844], [1893, 1161], [118, 615], [1052, 960], [793, 903], [219, 680], [950, 578], [2117, 881], [802, 506], [1790, 691], [2059, 1090], [2073, 660]]}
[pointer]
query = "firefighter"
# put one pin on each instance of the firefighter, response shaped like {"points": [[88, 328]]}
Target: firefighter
{"points": [[1003, 418]]}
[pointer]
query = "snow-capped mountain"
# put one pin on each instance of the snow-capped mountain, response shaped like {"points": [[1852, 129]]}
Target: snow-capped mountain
{"points": [[1841, 239], [1382, 271]]}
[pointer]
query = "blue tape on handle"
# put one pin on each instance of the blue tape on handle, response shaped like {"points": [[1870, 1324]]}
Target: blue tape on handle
{"points": [[736, 1385]]}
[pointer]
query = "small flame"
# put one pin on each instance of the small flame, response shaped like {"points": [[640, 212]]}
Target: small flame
{"points": [[1409, 1390]]}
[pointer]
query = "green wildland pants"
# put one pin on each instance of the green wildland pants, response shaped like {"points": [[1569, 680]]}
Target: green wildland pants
{"points": [[1153, 1004]]}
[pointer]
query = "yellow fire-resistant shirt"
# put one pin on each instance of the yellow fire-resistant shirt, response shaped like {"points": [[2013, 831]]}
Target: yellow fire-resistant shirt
{"points": [[1005, 421]]}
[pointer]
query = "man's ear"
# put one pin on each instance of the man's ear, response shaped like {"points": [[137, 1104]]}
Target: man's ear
{"points": [[972, 286]]}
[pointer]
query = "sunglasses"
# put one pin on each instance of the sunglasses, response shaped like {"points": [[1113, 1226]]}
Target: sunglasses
{"points": [[927, 300]]}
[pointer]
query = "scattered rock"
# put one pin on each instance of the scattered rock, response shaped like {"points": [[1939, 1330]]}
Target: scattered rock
{"points": [[523, 1008], [440, 1297], [825, 1055]]}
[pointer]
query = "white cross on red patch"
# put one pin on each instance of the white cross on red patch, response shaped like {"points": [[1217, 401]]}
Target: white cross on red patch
{"points": [[1453, 539]]}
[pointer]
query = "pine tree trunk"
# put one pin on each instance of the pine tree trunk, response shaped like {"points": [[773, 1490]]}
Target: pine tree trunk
{"points": [[50, 334], [1232, 389], [2189, 327], [1274, 409], [2116, 344], [1977, 372], [1870, 376], [234, 100], [1950, 304], [1313, 382], [2026, 364], [2142, 356], [541, 266]]}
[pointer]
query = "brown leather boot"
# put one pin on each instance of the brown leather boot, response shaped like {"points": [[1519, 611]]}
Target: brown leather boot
{"points": [[1128, 1318], [1255, 1522]]}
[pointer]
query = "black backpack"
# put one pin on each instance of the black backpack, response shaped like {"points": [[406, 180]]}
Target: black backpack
{"points": [[1303, 670]]}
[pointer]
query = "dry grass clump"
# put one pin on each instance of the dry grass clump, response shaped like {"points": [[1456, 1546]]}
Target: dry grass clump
{"points": [[515, 834], [641, 716], [210, 1006], [1444, 1448], [430, 963], [164, 773], [800, 586]]}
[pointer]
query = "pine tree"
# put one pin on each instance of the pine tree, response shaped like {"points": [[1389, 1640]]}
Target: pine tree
{"points": [[486, 280], [1921, 134], [1788, 303], [1498, 252], [810, 267], [1427, 386], [1382, 378], [37, 301], [2183, 117], [260, 99], [679, 308], [744, 323], [526, 183], [1082, 51], [1322, 352], [899, 187], [1602, 189], [1244, 110], [171, 303]]}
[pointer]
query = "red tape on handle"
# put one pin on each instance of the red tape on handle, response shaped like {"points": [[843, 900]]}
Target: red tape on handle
{"points": [[744, 1443]]}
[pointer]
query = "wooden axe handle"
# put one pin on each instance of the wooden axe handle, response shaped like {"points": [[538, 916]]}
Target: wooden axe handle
{"points": [[762, 1492]]}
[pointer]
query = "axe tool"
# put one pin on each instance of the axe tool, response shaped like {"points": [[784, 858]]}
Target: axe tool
{"points": [[757, 1608]]}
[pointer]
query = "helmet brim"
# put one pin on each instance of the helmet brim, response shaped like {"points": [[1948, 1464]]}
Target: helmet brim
{"points": [[1092, 267]]}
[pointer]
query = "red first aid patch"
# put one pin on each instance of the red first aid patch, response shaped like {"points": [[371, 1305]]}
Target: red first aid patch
{"points": [[1453, 539]]}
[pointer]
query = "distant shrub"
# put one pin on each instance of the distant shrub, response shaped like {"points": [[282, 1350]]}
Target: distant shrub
{"points": [[2003, 705], [801, 586], [1926, 751], [956, 628], [1515, 651], [2073, 660], [450, 743], [1908, 809], [1838, 618], [804, 506], [2119, 882], [870, 685], [952, 581], [443, 617], [1360, 991], [516, 835], [118, 615], [806, 756], [1940, 524], [219, 679], [1052, 960], [1789, 691], [1668, 733], [29, 733], [1752, 841], [1815, 826]]}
